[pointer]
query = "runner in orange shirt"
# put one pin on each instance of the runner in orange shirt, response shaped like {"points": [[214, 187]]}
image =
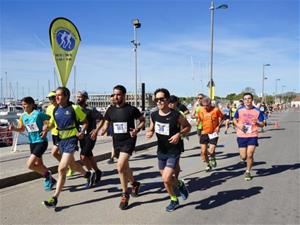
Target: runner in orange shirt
{"points": [[211, 118]]}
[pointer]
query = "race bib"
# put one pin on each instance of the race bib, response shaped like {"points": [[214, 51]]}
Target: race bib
{"points": [[32, 127], [248, 128], [120, 128], [162, 128], [213, 135]]}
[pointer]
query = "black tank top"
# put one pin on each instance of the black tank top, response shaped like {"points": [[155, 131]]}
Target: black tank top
{"points": [[165, 127]]}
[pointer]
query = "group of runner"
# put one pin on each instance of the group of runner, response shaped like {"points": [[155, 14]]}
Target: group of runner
{"points": [[70, 123], [246, 119]]}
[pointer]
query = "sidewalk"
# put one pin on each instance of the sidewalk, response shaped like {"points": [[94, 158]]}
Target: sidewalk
{"points": [[13, 168]]}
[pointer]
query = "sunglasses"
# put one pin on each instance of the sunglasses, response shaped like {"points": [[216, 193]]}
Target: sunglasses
{"points": [[160, 99], [247, 98], [52, 98]]}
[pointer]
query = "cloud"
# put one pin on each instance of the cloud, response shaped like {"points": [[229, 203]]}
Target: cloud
{"points": [[237, 64]]}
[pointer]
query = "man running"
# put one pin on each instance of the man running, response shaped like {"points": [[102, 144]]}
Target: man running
{"points": [[173, 103], [87, 143], [111, 160], [247, 119], [169, 125], [54, 132], [66, 116], [226, 112], [196, 109], [122, 118], [211, 118]]}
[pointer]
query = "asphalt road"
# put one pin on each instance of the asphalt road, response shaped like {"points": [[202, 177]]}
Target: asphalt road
{"points": [[221, 196]]}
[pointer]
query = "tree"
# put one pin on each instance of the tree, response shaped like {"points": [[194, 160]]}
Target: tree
{"points": [[231, 97]]}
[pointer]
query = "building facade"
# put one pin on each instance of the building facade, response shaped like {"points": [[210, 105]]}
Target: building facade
{"points": [[102, 101]]}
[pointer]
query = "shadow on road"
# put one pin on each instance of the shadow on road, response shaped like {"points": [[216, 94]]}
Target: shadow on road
{"points": [[143, 157], [226, 156], [275, 129], [224, 197], [217, 176], [266, 137], [275, 169]]}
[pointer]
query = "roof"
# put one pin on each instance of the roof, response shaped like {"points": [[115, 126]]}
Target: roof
{"points": [[296, 99]]}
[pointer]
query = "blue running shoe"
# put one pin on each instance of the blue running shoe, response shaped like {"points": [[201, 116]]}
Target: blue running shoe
{"points": [[183, 191], [49, 182], [172, 206]]}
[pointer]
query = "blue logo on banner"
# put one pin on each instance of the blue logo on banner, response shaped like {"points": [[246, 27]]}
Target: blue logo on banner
{"points": [[65, 40]]}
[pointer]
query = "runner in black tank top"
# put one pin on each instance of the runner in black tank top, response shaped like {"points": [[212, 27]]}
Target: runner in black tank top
{"points": [[121, 116], [168, 125]]}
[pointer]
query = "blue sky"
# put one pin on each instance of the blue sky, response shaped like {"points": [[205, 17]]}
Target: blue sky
{"points": [[175, 44]]}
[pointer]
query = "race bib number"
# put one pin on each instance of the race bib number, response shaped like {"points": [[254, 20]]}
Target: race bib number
{"points": [[120, 128], [162, 128], [32, 127], [247, 128], [213, 135]]}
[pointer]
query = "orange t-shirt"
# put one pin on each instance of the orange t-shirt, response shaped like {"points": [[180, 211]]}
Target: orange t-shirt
{"points": [[210, 120]]}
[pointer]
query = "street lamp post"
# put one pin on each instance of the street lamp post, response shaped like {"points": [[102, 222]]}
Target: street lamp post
{"points": [[263, 83], [276, 85], [212, 12], [136, 24]]}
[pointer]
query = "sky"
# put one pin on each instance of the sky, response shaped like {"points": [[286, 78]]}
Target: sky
{"points": [[174, 50]]}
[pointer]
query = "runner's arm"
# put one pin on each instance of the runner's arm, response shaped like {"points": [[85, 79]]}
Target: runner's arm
{"points": [[19, 128], [150, 130], [95, 131], [103, 128], [185, 129], [84, 126]]}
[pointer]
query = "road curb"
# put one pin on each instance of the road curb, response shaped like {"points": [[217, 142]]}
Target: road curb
{"points": [[31, 175]]}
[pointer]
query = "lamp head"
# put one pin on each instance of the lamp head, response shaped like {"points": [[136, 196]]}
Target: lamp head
{"points": [[136, 23], [223, 6]]}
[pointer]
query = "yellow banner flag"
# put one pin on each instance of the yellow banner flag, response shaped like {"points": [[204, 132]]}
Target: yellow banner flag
{"points": [[64, 40], [211, 89]]}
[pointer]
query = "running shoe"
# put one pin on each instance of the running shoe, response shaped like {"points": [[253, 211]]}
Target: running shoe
{"points": [[172, 206], [111, 161], [208, 168], [124, 201], [49, 182], [98, 176], [213, 161], [225, 132], [248, 176], [90, 179], [183, 191], [70, 173], [135, 189], [51, 202], [243, 162]]}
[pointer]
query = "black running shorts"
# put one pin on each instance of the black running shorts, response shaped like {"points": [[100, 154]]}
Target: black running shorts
{"points": [[126, 146], [38, 149], [204, 139], [87, 145]]}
